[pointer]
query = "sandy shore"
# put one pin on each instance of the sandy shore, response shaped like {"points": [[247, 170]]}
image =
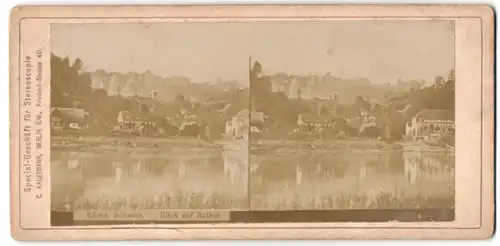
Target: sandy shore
{"points": [[335, 146], [115, 143], [192, 144]]}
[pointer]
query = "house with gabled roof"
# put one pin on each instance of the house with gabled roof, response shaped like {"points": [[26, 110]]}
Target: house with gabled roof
{"points": [[314, 122], [431, 124], [245, 121], [238, 126], [68, 118], [130, 119]]}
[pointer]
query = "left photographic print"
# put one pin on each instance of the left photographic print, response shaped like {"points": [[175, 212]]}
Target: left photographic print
{"points": [[140, 114]]}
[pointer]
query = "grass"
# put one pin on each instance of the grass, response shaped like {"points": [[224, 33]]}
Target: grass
{"points": [[383, 200], [194, 200], [373, 192]]}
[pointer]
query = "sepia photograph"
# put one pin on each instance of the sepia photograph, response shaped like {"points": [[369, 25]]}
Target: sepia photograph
{"points": [[254, 116], [354, 115], [150, 118]]}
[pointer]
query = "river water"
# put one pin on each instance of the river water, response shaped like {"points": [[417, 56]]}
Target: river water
{"points": [[222, 179]]}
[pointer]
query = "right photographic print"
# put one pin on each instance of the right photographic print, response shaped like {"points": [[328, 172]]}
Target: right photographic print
{"points": [[356, 117]]}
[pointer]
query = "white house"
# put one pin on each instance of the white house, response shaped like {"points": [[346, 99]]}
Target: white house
{"points": [[431, 124], [68, 118], [242, 123], [313, 122], [130, 120], [238, 126]]}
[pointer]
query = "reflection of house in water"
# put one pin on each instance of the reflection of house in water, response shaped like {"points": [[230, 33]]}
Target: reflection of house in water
{"points": [[99, 179], [236, 168], [138, 167], [424, 166], [66, 181], [298, 175]]}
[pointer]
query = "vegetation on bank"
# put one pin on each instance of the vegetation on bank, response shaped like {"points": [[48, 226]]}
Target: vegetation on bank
{"points": [[71, 87]]}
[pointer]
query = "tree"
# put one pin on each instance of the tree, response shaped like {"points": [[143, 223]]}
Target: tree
{"points": [[361, 103], [144, 108], [77, 65], [180, 99], [65, 62], [451, 76], [260, 89], [256, 69], [439, 81]]}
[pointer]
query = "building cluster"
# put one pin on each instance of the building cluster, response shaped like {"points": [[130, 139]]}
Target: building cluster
{"points": [[431, 124], [145, 118], [427, 124]]}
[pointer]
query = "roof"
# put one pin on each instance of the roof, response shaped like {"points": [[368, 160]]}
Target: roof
{"points": [[436, 114], [355, 122], [72, 114], [317, 119], [244, 113], [409, 112], [256, 118], [135, 116]]}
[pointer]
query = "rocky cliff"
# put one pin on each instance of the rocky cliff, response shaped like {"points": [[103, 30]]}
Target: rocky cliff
{"points": [[166, 89], [326, 87]]}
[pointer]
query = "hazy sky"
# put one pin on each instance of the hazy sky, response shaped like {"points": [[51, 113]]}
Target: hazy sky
{"points": [[381, 51]]}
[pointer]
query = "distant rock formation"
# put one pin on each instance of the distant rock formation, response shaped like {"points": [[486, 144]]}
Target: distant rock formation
{"points": [[166, 89], [324, 87]]}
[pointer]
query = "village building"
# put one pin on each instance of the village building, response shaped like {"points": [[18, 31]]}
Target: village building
{"points": [[131, 120], [242, 123], [143, 123], [431, 124], [313, 122], [367, 121], [68, 119], [258, 122]]}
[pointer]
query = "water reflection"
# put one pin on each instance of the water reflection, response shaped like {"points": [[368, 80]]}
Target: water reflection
{"points": [[352, 181], [119, 180], [219, 179]]}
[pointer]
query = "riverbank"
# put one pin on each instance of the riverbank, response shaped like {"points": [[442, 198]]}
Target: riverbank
{"points": [[136, 143], [83, 143], [318, 146]]}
